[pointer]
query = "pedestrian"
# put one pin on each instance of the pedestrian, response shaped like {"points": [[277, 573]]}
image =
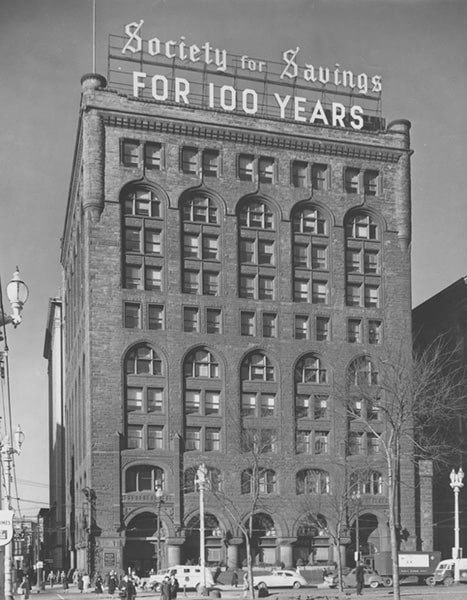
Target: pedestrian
{"points": [[173, 589], [112, 583], [165, 588], [98, 584], [360, 577], [234, 580], [246, 585], [26, 587]]}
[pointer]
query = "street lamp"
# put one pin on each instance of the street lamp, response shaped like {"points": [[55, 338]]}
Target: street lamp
{"points": [[17, 293], [7, 451], [201, 475], [159, 494], [356, 498], [456, 484]]}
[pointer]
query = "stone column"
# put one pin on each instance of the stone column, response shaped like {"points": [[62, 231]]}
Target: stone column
{"points": [[425, 472], [286, 551], [232, 552], [174, 550]]}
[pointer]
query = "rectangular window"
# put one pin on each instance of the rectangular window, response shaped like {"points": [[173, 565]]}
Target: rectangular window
{"points": [[374, 331], [210, 247], [133, 239], [152, 242], [130, 153], [133, 277], [266, 288], [351, 180], [301, 255], [190, 160], [248, 405], [153, 156], [132, 315], [210, 283], [323, 330], [354, 294], [247, 251], [302, 406], [134, 436], [321, 407], [302, 327], [247, 323], [353, 259], [247, 286], [213, 320], [265, 252], [211, 163], [155, 316], [354, 331], [370, 182], [319, 257], [191, 245], [155, 400], [134, 399], [246, 167], [356, 443], [190, 319], [319, 292], [372, 296], [303, 442], [212, 403], [268, 440], [268, 403], [191, 282], [299, 174], [192, 402], [321, 442], [301, 290], [269, 325], [192, 438], [373, 444], [266, 169], [212, 439], [155, 437], [371, 261], [319, 177], [153, 278]]}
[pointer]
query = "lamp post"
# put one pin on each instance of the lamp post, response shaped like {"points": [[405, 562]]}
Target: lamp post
{"points": [[17, 293], [456, 485], [356, 498], [159, 493], [201, 481], [7, 451]]}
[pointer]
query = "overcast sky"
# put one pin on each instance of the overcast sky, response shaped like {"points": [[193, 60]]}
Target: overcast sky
{"points": [[419, 47]]}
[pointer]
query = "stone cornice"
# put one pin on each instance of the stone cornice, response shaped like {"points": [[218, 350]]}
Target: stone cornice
{"points": [[245, 136]]}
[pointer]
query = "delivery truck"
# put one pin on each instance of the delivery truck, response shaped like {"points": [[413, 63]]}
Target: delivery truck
{"points": [[452, 570], [411, 564]]}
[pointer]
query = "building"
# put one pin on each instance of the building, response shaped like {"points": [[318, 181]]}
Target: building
{"points": [[228, 267], [443, 318]]}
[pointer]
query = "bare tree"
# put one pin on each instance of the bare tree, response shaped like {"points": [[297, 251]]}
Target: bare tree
{"points": [[405, 404]]}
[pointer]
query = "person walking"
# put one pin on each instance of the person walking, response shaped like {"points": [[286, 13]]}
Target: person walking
{"points": [[246, 585], [80, 583], [234, 581], [360, 577], [174, 586], [165, 588]]}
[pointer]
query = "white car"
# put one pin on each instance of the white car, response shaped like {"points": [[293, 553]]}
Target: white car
{"points": [[282, 578], [188, 576]]}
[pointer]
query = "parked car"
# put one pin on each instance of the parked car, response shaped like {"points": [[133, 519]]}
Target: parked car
{"points": [[188, 576], [372, 578], [280, 578]]}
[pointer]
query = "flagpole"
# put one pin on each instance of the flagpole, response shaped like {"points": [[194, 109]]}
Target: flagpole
{"points": [[93, 36]]}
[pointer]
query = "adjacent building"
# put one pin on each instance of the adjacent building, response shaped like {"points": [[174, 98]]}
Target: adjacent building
{"points": [[229, 273]]}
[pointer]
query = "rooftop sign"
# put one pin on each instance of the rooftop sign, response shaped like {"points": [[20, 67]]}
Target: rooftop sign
{"points": [[179, 72]]}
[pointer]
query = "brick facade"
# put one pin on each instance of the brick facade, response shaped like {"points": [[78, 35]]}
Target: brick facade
{"points": [[98, 341]]}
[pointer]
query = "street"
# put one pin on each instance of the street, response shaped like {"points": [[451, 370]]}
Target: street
{"points": [[455, 592]]}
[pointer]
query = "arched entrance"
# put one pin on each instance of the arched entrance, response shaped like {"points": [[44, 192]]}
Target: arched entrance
{"points": [[312, 545], [213, 541], [263, 541], [364, 534], [141, 544]]}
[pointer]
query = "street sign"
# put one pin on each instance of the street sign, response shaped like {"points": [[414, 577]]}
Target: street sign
{"points": [[6, 527]]}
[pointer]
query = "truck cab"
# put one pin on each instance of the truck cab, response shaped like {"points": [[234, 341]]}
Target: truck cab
{"points": [[452, 570]]}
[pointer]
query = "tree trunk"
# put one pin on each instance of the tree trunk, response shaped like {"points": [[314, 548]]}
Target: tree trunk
{"points": [[392, 497]]}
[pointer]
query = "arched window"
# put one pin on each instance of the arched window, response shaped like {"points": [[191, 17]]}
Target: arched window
{"points": [[263, 481], [144, 399], [368, 482], [143, 239], [312, 481], [201, 363], [363, 270], [310, 250], [201, 251], [310, 369], [257, 248], [144, 478], [257, 367], [363, 372]]}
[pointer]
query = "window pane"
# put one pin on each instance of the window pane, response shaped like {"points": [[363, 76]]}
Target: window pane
{"points": [[372, 296], [155, 316], [192, 402], [213, 320], [247, 323], [266, 288], [321, 407], [319, 177], [212, 402], [130, 153], [153, 278], [153, 155], [245, 167], [155, 400], [210, 283], [191, 282], [189, 160], [192, 438], [248, 404], [268, 403], [132, 315], [319, 258], [134, 399], [322, 328], [211, 163], [301, 327], [299, 174], [266, 170], [370, 182], [210, 247], [353, 294], [302, 406], [213, 439], [374, 332], [265, 252], [319, 292], [155, 437], [354, 331], [132, 239], [190, 319], [191, 246], [152, 242], [134, 436], [351, 180], [133, 276], [269, 325], [247, 286]]}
